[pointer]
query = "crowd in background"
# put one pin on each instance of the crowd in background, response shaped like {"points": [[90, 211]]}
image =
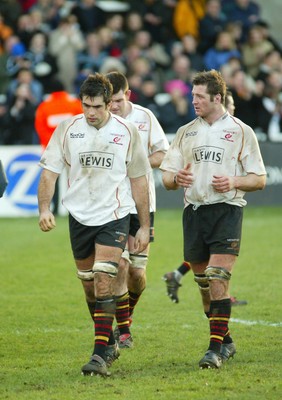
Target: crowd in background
{"points": [[157, 44]]}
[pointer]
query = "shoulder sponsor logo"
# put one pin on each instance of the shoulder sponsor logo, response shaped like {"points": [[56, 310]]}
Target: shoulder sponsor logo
{"points": [[77, 135], [208, 154], [96, 159], [193, 133], [118, 139], [228, 135], [141, 127]]}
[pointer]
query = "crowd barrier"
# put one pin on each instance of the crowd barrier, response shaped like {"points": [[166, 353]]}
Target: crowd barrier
{"points": [[23, 173]]}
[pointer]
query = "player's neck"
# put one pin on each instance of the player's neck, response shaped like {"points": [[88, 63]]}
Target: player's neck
{"points": [[127, 109]]}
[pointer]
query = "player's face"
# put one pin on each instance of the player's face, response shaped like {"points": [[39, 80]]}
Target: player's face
{"points": [[95, 110], [118, 104], [203, 105]]}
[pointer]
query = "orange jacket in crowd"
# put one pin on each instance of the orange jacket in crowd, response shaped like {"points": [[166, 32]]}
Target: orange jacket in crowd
{"points": [[57, 107], [187, 15]]}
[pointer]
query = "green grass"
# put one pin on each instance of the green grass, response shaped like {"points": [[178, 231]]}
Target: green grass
{"points": [[47, 335]]}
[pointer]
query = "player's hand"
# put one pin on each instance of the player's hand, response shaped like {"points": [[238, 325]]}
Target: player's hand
{"points": [[141, 240], [47, 221], [184, 177], [223, 184]]}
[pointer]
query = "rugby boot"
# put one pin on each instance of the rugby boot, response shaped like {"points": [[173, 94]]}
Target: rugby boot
{"points": [[172, 286], [210, 360]]}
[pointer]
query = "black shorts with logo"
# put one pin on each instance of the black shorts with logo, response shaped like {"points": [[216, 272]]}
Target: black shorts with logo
{"points": [[135, 225], [211, 229], [83, 238]]}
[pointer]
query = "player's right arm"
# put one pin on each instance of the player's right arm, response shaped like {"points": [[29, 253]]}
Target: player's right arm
{"points": [[45, 194]]}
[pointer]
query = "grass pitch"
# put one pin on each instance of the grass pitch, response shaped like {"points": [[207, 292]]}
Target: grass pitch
{"points": [[47, 335]]}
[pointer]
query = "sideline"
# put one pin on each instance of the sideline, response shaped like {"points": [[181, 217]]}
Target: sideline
{"points": [[263, 323]]}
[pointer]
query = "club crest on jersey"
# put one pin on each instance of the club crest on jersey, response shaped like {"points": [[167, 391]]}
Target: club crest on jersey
{"points": [[96, 159], [208, 154]]}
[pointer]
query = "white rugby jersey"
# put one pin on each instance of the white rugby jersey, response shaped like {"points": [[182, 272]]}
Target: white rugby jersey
{"points": [[98, 164], [227, 147], [153, 139]]}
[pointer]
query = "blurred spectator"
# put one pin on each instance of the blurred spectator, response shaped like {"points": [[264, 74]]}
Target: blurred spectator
{"points": [[245, 12], [60, 9], [189, 48], [42, 63], [133, 24], [115, 23], [111, 64], [57, 107], [25, 29], [90, 59], [275, 123], [210, 25], [224, 49], [16, 56], [153, 51], [5, 77], [25, 75], [38, 21], [265, 28], [4, 123], [232, 65], [270, 109], [21, 114], [10, 10], [180, 69], [246, 97], [157, 18], [64, 44], [148, 92], [27, 4], [108, 44], [254, 50], [186, 17], [176, 111], [5, 32], [272, 61], [89, 15]]}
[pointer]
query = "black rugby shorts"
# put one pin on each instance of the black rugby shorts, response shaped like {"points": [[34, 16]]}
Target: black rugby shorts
{"points": [[211, 229], [83, 238]]}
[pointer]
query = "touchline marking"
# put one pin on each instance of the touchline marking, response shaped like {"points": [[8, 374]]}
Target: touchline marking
{"points": [[264, 323]]}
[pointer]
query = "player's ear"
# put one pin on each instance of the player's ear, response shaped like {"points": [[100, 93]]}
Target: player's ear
{"points": [[128, 94], [217, 98]]}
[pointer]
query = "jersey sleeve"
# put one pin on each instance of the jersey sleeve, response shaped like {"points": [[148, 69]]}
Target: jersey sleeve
{"points": [[173, 160], [158, 139], [53, 157], [251, 157], [137, 160]]}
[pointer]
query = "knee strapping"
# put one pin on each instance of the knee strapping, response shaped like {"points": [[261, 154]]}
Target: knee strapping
{"points": [[105, 266], [126, 256], [87, 275], [217, 273], [202, 281], [139, 260]]}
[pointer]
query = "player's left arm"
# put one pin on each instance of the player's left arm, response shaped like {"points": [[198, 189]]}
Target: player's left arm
{"points": [[248, 183], [140, 194]]}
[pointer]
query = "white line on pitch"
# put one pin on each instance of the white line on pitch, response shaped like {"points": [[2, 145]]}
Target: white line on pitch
{"points": [[264, 323]]}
